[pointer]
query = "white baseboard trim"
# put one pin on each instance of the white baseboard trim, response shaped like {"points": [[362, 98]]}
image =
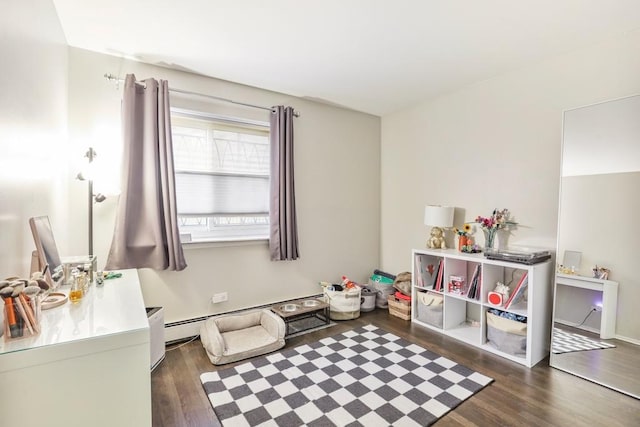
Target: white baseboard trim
{"points": [[573, 325], [628, 339], [188, 328], [597, 331]]}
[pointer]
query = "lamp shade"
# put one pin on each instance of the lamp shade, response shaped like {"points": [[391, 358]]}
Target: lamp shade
{"points": [[438, 216]]}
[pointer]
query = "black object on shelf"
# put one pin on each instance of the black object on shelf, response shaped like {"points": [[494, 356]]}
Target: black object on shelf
{"points": [[384, 274], [522, 256]]}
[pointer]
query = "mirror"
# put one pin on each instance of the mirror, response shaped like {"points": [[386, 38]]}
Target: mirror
{"points": [[599, 199], [46, 249]]}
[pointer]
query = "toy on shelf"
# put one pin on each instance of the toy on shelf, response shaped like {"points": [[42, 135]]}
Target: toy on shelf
{"points": [[499, 295], [601, 273]]}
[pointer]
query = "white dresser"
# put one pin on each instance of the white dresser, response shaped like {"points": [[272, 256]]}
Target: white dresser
{"points": [[608, 297], [88, 367]]}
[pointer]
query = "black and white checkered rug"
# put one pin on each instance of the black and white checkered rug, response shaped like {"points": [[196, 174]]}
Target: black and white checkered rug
{"points": [[363, 377], [566, 342]]}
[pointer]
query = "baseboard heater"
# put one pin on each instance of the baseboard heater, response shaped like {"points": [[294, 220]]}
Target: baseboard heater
{"points": [[176, 332]]}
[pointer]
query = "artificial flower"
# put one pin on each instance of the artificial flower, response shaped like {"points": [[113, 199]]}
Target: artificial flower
{"points": [[498, 220], [465, 230]]}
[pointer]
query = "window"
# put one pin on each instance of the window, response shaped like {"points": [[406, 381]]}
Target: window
{"points": [[222, 177]]}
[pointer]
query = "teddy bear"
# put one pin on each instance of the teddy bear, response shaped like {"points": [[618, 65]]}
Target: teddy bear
{"points": [[436, 241]]}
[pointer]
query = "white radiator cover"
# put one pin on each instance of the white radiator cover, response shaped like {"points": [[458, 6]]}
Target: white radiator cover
{"points": [[156, 335], [180, 330]]}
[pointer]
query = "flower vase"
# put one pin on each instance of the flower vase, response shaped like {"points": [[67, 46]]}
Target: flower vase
{"points": [[489, 237], [502, 239], [462, 242]]}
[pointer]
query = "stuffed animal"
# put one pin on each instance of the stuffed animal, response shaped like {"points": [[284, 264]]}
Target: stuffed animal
{"points": [[503, 289], [436, 241]]}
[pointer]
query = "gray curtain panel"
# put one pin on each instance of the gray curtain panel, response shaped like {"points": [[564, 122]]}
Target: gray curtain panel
{"points": [[283, 239], [146, 232]]}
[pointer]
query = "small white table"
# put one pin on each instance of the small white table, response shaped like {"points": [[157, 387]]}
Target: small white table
{"points": [[89, 366], [609, 291]]}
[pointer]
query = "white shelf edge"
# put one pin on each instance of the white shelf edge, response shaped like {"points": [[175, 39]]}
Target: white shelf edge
{"points": [[519, 359], [462, 298], [466, 333], [426, 325]]}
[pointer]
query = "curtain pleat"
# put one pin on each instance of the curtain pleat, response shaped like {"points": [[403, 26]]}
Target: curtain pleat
{"points": [[283, 240], [146, 231]]}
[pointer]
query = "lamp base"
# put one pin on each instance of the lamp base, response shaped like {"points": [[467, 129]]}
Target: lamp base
{"points": [[436, 239]]}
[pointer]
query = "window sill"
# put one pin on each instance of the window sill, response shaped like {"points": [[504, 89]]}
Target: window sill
{"points": [[242, 241]]}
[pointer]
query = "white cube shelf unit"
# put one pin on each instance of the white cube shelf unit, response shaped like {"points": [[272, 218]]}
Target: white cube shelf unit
{"points": [[465, 318]]}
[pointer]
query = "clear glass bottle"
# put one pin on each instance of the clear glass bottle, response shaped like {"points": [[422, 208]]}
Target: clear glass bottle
{"points": [[77, 287], [85, 282]]}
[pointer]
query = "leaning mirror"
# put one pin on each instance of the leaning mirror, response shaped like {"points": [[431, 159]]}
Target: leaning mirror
{"points": [[596, 332], [46, 249]]}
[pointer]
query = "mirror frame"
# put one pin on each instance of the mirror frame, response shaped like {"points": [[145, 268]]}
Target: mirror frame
{"points": [[46, 249], [591, 163]]}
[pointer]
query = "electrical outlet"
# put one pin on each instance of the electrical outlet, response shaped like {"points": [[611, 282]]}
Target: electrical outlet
{"points": [[221, 297], [596, 308]]}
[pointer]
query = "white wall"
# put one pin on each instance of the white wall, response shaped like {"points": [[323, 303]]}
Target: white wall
{"points": [[337, 157], [494, 144], [33, 118]]}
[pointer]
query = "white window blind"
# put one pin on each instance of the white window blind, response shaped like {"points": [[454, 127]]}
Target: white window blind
{"points": [[222, 177]]}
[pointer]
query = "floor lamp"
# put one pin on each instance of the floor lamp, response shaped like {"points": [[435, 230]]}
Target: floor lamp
{"points": [[93, 198]]}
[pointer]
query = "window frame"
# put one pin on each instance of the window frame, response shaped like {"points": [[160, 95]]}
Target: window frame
{"points": [[261, 127]]}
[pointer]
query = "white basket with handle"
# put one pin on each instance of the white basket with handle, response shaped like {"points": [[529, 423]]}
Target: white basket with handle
{"points": [[343, 305]]}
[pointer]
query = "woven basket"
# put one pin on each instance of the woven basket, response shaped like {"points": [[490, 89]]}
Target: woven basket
{"points": [[399, 307]]}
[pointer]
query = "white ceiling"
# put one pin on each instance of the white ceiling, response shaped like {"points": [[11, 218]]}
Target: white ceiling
{"points": [[375, 56]]}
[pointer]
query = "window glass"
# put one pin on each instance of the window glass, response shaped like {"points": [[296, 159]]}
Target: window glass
{"points": [[222, 177]]}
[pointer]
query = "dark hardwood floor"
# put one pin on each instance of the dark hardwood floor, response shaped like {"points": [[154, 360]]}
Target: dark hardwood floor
{"points": [[519, 396]]}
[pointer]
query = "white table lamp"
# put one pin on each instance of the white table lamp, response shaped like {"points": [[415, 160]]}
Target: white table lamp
{"points": [[439, 218]]}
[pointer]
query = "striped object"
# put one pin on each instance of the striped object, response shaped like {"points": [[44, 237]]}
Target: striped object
{"points": [[565, 342]]}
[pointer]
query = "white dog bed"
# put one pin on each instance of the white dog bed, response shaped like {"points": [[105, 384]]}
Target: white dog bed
{"points": [[240, 336]]}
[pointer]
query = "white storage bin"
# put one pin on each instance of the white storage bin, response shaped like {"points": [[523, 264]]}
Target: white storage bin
{"points": [[343, 305], [430, 308], [506, 335]]}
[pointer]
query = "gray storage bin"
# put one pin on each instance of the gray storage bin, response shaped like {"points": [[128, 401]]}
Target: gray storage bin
{"points": [[367, 299], [383, 290], [430, 308], [506, 335]]}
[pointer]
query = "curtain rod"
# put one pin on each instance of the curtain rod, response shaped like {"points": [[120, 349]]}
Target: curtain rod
{"points": [[110, 77]]}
